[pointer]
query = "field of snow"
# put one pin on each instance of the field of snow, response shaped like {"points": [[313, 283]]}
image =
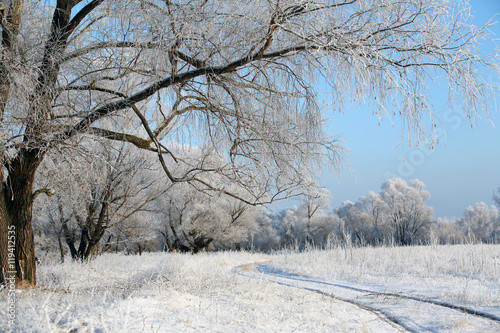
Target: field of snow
{"points": [[235, 292], [421, 289], [461, 274]]}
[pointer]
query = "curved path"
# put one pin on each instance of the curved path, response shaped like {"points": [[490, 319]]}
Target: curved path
{"points": [[404, 312]]}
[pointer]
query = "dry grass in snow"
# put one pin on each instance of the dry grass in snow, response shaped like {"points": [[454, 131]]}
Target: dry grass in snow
{"points": [[461, 274], [167, 292]]}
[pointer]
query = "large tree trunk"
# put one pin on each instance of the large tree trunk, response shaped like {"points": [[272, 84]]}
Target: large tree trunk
{"points": [[5, 222], [16, 205], [16, 195]]}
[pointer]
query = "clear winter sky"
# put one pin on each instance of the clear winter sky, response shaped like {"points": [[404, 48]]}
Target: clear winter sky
{"points": [[460, 172]]}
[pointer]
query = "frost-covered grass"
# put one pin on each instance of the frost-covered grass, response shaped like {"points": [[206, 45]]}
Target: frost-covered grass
{"points": [[168, 292], [460, 274]]}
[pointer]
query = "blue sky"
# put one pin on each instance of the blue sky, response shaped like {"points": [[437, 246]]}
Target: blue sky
{"points": [[462, 170]]}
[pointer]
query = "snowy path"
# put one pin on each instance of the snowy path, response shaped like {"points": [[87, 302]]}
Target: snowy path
{"points": [[404, 312]]}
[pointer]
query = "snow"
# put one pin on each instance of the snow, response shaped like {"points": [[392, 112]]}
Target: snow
{"points": [[414, 314], [224, 292]]}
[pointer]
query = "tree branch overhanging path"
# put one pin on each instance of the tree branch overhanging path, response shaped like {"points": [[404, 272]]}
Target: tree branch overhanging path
{"points": [[221, 76]]}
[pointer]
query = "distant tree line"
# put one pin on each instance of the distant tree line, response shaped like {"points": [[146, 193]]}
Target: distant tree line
{"points": [[398, 215], [117, 203]]}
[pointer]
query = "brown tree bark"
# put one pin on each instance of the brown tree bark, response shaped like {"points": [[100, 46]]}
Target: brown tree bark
{"points": [[16, 203], [5, 222], [61, 248]]}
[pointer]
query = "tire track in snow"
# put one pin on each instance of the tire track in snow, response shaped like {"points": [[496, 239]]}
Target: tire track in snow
{"points": [[251, 270], [266, 270], [411, 313]]}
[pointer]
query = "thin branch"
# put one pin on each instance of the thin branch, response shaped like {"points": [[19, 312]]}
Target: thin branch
{"points": [[47, 191]]}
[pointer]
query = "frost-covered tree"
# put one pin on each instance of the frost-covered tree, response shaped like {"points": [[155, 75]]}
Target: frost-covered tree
{"points": [[291, 227], [365, 221], [375, 216], [219, 73], [266, 237], [480, 222], [447, 231], [193, 220], [353, 224], [398, 213], [96, 195], [307, 223], [408, 215], [313, 205]]}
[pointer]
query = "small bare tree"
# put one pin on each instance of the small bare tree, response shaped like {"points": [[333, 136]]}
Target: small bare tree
{"points": [[96, 195], [313, 203], [222, 75]]}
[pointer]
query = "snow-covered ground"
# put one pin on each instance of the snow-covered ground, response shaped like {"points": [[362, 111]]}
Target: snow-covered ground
{"points": [[431, 288], [466, 275], [167, 292]]}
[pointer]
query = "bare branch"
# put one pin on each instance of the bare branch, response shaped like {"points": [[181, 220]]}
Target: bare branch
{"points": [[47, 191], [111, 135]]}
